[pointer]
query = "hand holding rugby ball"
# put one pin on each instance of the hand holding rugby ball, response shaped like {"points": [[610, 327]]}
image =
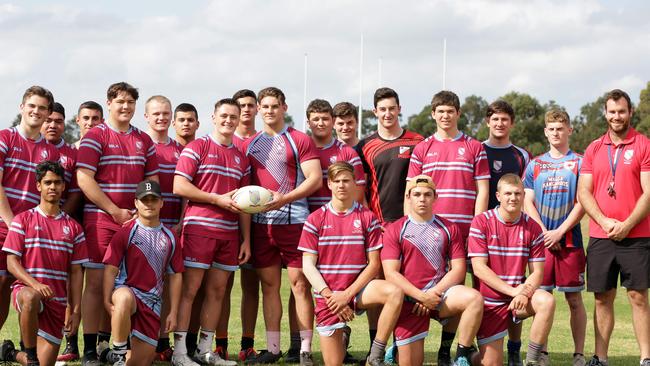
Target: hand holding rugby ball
{"points": [[252, 199]]}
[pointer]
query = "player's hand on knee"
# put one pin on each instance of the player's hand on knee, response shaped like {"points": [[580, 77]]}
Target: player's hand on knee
{"points": [[44, 290], [346, 314], [432, 299], [338, 301], [518, 303]]}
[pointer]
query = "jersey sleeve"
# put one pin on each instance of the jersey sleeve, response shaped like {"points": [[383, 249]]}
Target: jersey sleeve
{"points": [[15, 240], [529, 179], [4, 147], [477, 240], [188, 162], [117, 247], [373, 233], [175, 264], [481, 165], [353, 158], [90, 150], [306, 149], [74, 186], [309, 238], [415, 163], [537, 253], [457, 245], [587, 160], [645, 161], [151, 165], [246, 177], [392, 249], [80, 254]]}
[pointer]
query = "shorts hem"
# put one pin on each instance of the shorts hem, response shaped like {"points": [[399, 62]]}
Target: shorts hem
{"points": [[570, 288], [415, 338], [225, 267], [328, 330], [50, 338], [196, 265], [93, 265], [144, 338], [493, 338]]}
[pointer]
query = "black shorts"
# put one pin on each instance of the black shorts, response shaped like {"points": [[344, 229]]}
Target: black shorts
{"points": [[606, 259]]}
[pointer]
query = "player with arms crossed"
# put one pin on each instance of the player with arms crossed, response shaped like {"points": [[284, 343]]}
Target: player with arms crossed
{"points": [[137, 258], [285, 161], [21, 148], [113, 158], [551, 186], [216, 234], [45, 248], [416, 253], [502, 243], [340, 243]]}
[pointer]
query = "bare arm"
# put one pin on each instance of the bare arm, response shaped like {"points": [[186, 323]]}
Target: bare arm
{"points": [[92, 191], [536, 275], [531, 209], [184, 188], [368, 273], [482, 196], [5, 210], [588, 202], [175, 285], [313, 181], [75, 286], [17, 270], [640, 211], [245, 233], [110, 272], [312, 273], [392, 273], [455, 276]]}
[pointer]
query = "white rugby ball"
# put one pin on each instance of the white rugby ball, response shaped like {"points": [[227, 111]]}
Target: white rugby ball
{"points": [[251, 199]]}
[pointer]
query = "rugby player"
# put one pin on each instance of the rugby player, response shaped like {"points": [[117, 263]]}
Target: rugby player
{"points": [[340, 243], [113, 158], [45, 248], [346, 124], [502, 243], [550, 185], [285, 161], [136, 260], [89, 115], [186, 122], [216, 234]]}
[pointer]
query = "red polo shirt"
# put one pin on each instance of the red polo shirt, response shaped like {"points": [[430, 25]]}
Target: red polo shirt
{"points": [[633, 157]]}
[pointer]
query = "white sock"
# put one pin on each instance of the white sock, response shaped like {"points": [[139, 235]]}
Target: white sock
{"points": [[206, 338], [180, 347], [305, 340], [273, 341]]}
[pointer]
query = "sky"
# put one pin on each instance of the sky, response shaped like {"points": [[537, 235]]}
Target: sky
{"points": [[201, 51]]}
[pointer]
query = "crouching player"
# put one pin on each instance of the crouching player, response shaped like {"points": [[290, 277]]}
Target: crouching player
{"points": [[45, 248], [416, 251], [502, 242], [340, 243], [135, 262]]}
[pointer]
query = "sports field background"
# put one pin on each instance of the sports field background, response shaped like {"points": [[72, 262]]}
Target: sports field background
{"points": [[623, 348]]}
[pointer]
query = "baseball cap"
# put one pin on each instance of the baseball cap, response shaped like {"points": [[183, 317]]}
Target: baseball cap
{"points": [[420, 181], [147, 187]]}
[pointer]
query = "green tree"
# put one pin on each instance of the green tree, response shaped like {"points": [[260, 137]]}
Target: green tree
{"points": [[529, 122], [422, 122], [368, 122], [642, 112], [589, 124], [288, 120], [472, 118], [71, 132]]}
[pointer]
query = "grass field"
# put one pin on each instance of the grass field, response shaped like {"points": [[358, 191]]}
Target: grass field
{"points": [[623, 348]]}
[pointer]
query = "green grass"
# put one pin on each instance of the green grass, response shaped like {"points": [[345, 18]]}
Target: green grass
{"points": [[623, 349]]}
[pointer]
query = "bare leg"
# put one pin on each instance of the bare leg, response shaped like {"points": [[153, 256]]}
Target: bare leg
{"points": [[603, 321], [641, 316], [578, 320]]}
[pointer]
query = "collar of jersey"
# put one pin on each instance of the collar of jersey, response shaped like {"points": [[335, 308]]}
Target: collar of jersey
{"points": [[487, 143], [118, 131], [428, 222], [20, 133], [629, 138], [282, 132], [458, 136], [217, 142], [38, 209], [139, 223], [496, 213], [349, 211], [328, 145]]}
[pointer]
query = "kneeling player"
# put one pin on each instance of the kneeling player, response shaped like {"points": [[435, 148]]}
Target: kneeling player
{"points": [[341, 242], [135, 262], [502, 241], [415, 254], [45, 250]]}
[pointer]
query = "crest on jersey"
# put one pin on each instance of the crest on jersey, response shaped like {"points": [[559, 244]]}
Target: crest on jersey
{"points": [[497, 165], [177, 155], [461, 151], [404, 149], [333, 159], [63, 159], [569, 165], [66, 230], [44, 154], [138, 145], [357, 224], [237, 159], [628, 156]]}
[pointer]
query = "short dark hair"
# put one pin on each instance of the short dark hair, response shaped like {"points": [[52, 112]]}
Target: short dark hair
{"points": [[345, 109], [58, 108], [617, 94], [319, 106], [122, 87], [385, 93], [445, 97], [93, 106], [226, 101], [49, 166], [41, 92], [272, 92], [500, 106], [244, 93], [186, 107]]}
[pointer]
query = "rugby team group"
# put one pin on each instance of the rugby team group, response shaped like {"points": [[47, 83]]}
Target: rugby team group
{"points": [[136, 234]]}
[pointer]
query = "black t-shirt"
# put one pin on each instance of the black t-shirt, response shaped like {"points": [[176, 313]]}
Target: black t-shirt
{"points": [[503, 160]]}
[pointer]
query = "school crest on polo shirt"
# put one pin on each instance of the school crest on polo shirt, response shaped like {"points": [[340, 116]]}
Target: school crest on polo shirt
{"points": [[404, 152], [139, 147], [497, 165], [569, 165], [333, 159], [461, 151], [357, 226], [627, 156], [237, 159], [44, 154], [66, 232]]}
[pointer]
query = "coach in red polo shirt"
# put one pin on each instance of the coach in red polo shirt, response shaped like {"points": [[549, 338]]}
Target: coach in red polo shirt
{"points": [[614, 189]]}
